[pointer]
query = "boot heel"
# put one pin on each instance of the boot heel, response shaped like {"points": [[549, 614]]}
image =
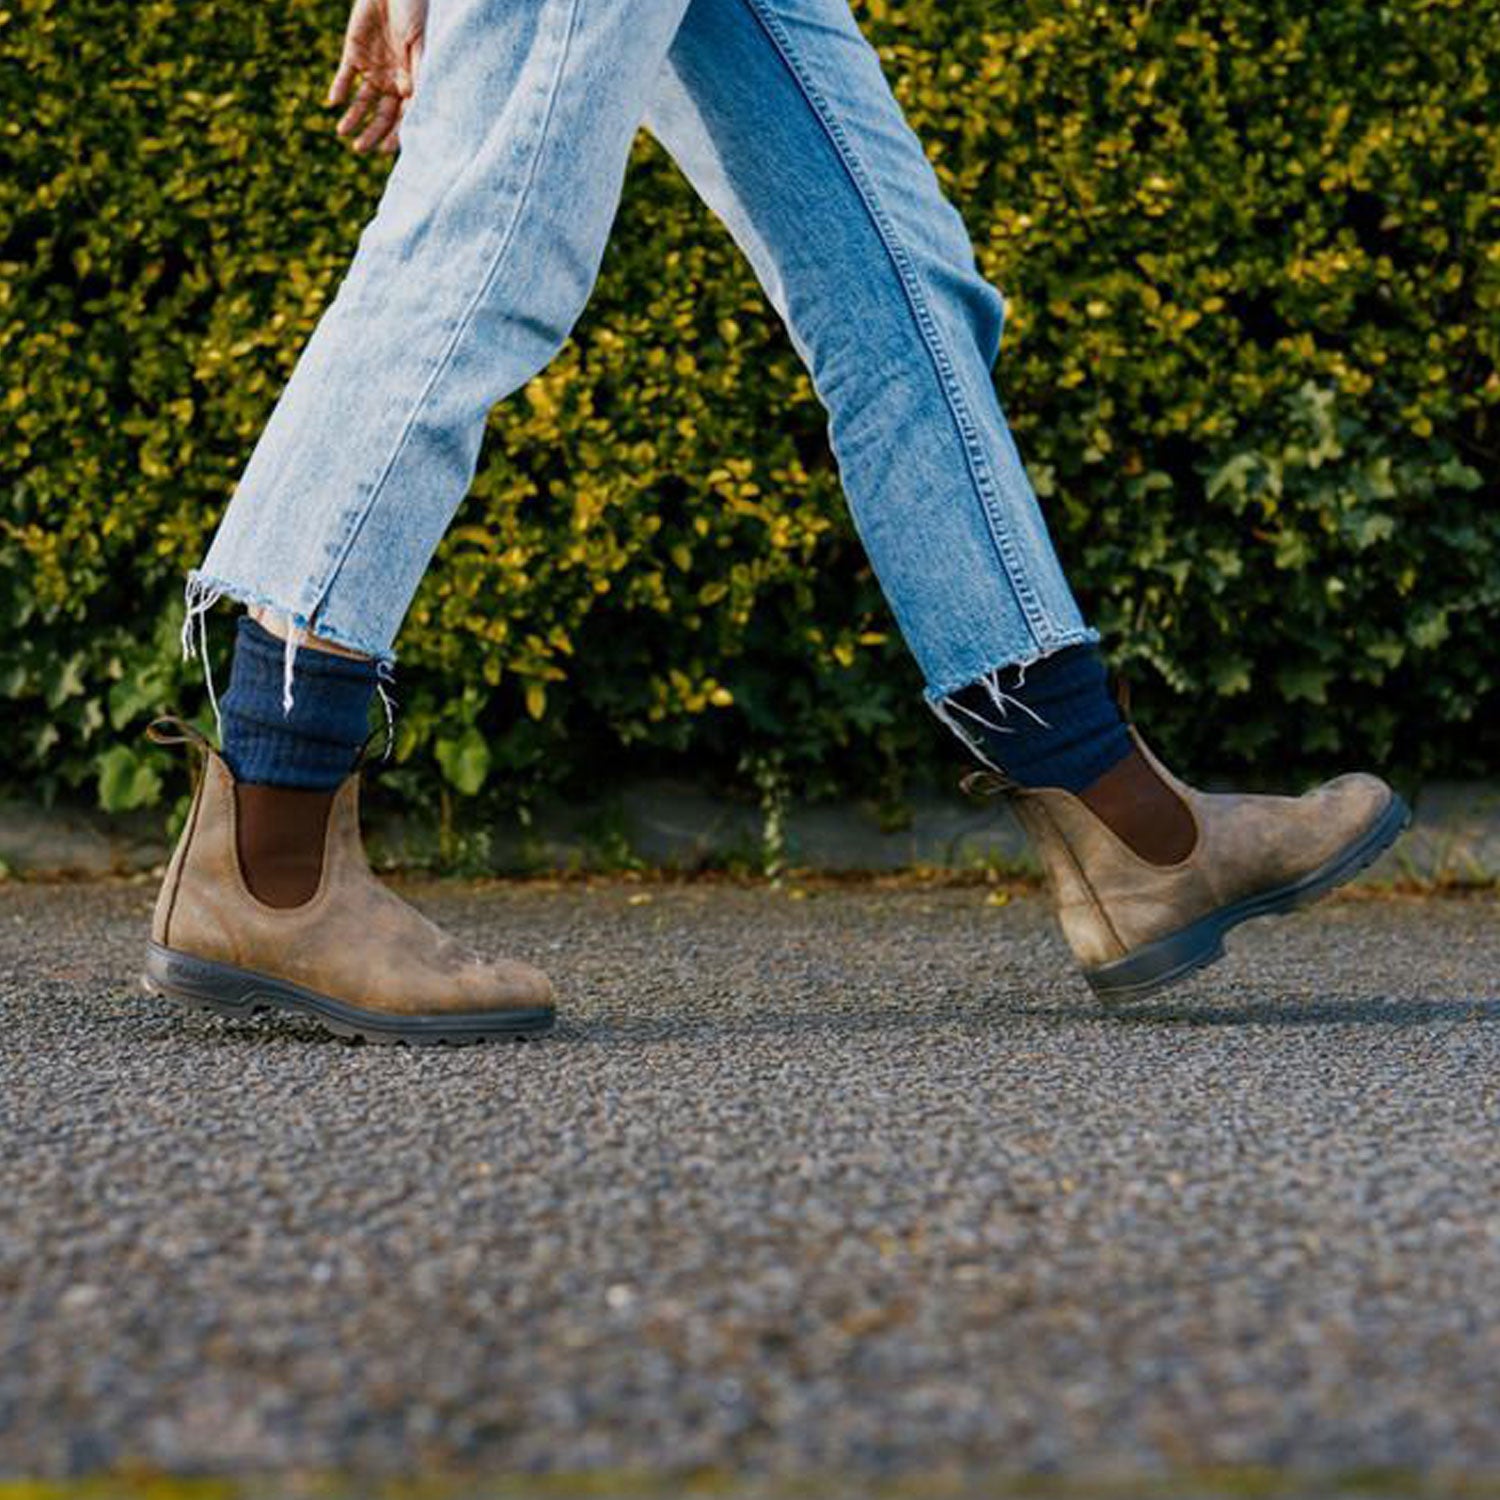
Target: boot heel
{"points": [[180, 976], [1160, 963]]}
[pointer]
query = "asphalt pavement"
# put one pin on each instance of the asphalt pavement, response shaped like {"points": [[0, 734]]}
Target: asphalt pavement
{"points": [[854, 1183]]}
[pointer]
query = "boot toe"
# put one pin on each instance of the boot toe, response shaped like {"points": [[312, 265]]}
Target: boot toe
{"points": [[513, 985], [484, 984], [1354, 801]]}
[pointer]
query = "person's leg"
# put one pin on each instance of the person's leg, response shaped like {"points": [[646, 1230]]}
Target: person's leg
{"points": [[780, 115], [478, 261]]}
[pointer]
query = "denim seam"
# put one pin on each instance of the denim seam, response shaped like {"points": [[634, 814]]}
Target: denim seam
{"points": [[358, 517], [979, 472]]}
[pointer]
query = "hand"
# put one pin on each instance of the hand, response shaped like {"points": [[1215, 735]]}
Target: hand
{"points": [[383, 46]]}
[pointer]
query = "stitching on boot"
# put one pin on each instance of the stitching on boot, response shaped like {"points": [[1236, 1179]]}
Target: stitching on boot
{"points": [[187, 847]]}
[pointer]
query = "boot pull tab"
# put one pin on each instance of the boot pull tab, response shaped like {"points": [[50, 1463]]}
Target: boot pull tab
{"points": [[170, 729], [364, 756], [1121, 689], [986, 784]]}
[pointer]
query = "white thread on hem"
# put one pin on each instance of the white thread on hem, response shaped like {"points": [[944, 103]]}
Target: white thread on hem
{"points": [[385, 673], [295, 635], [200, 597], [945, 707]]}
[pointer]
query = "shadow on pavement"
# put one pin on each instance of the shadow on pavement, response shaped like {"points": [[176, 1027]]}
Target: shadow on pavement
{"points": [[926, 1018]]}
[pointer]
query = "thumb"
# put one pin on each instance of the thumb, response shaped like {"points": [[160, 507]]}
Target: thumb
{"points": [[408, 73]]}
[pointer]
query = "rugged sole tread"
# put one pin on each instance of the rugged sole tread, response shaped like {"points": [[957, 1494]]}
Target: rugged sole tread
{"points": [[1174, 958], [242, 994]]}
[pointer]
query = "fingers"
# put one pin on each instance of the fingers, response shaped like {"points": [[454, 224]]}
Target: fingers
{"points": [[392, 143], [375, 113], [406, 84], [386, 75], [341, 80], [364, 97], [385, 114]]}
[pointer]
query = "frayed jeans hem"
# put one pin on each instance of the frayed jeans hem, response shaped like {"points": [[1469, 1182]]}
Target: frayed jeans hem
{"points": [[202, 591], [1083, 635], [956, 717]]}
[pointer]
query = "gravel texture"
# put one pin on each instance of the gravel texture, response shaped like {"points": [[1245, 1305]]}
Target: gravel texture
{"points": [[857, 1184]]}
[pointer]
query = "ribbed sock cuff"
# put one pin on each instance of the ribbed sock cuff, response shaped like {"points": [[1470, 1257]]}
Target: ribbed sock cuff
{"points": [[1054, 723], [315, 744]]}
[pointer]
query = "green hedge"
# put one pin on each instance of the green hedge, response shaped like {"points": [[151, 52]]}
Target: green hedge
{"points": [[1251, 254]]}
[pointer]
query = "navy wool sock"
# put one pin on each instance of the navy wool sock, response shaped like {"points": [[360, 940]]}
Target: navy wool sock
{"points": [[315, 744], [1051, 724]]}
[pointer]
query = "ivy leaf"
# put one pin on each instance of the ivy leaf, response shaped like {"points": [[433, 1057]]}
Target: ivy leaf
{"points": [[135, 694], [68, 682], [465, 761], [126, 780]]}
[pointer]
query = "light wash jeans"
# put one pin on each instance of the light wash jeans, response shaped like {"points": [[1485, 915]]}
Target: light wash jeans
{"points": [[484, 251]]}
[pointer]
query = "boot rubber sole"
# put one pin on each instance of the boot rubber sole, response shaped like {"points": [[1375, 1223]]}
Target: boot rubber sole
{"points": [[1167, 960], [242, 993]]}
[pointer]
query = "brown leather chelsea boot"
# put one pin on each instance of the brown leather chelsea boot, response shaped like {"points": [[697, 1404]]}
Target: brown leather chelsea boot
{"points": [[1137, 926], [352, 955]]}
